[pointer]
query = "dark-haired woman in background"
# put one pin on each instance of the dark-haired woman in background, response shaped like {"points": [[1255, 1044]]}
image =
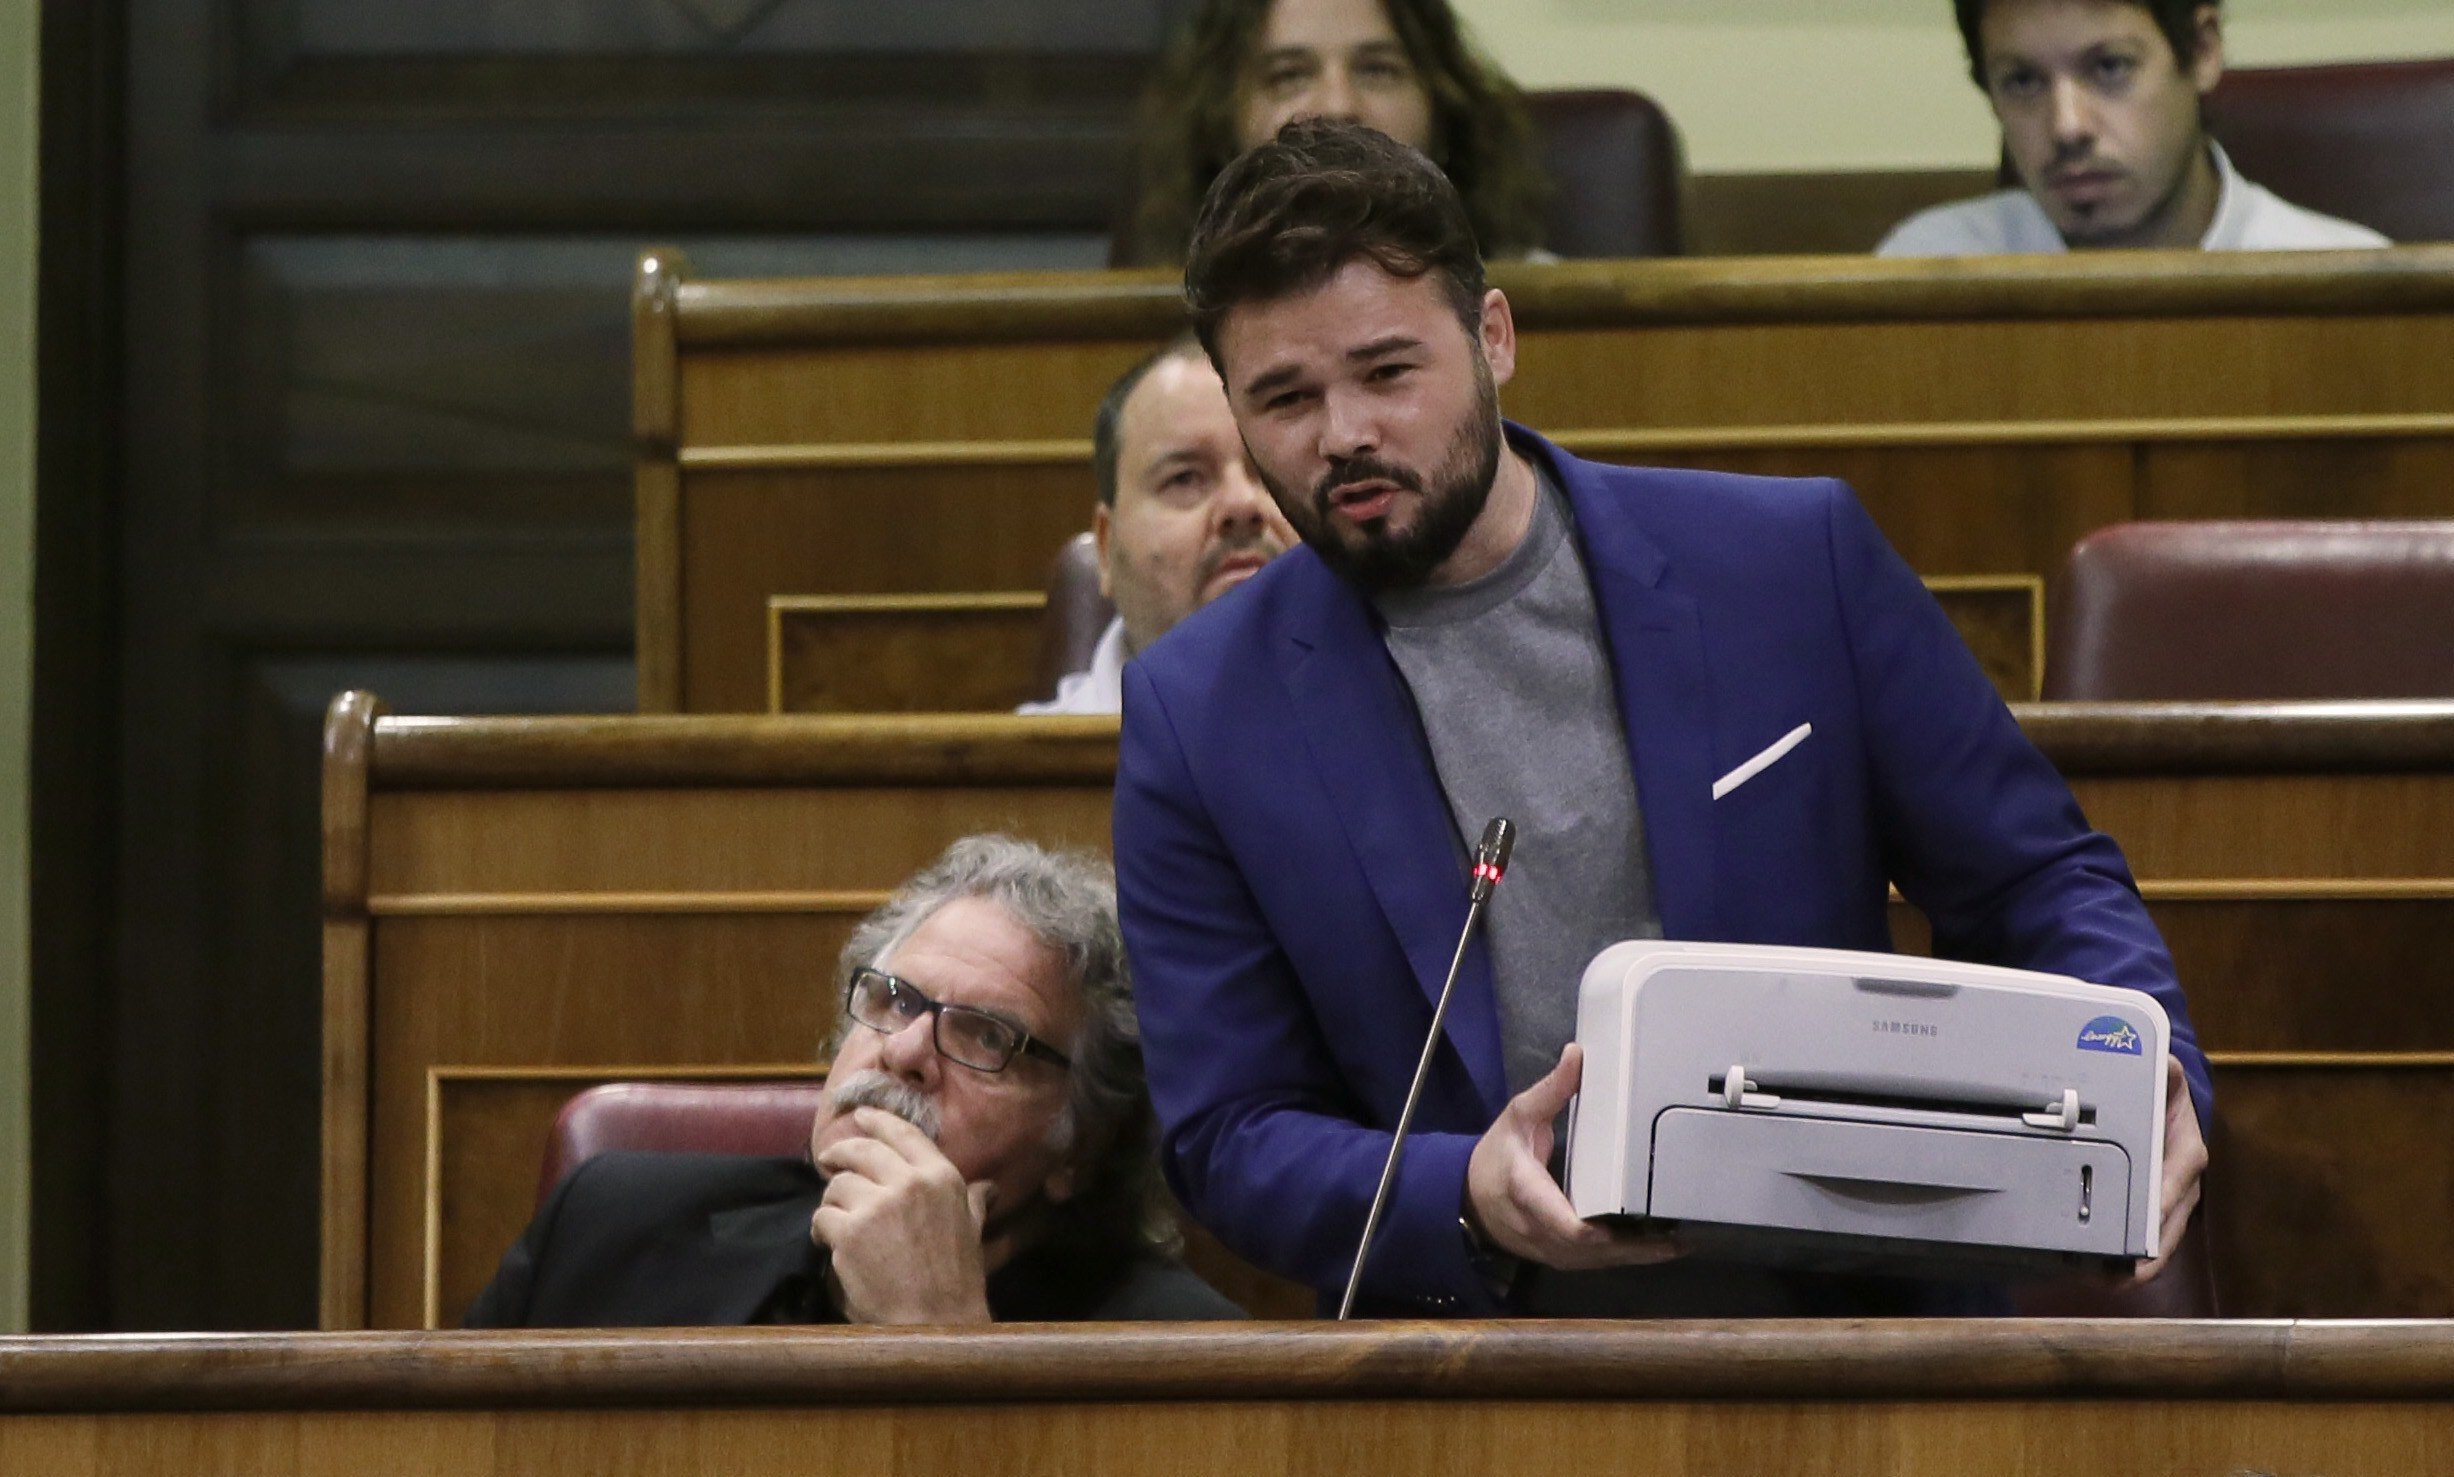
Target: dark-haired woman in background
{"points": [[1242, 68]]}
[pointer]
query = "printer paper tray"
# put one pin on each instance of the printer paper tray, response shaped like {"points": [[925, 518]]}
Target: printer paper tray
{"points": [[1956, 1190]]}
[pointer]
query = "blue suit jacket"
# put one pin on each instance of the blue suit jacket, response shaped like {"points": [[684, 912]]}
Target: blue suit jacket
{"points": [[1292, 884]]}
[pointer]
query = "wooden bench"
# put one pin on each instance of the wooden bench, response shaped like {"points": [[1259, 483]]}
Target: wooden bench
{"points": [[517, 907], [931, 435]]}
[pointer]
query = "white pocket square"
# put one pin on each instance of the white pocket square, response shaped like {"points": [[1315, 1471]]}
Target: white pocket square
{"points": [[1761, 762]]}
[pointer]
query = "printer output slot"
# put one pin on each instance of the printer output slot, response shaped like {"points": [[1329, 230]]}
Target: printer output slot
{"points": [[1824, 1095]]}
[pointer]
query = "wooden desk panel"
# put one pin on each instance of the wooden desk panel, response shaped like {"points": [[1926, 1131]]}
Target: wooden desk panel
{"points": [[980, 652], [930, 434], [1847, 1400], [951, 653], [2319, 477], [858, 531], [1953, 508], [585, 892], [2338, 975], [2367, 1231], [1329, 1438]]}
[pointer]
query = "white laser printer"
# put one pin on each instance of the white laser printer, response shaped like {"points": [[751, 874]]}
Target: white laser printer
{"points": [[1839, 1110]]}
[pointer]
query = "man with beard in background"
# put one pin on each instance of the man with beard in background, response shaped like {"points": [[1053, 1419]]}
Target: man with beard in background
{"points": [[983, 1151]]}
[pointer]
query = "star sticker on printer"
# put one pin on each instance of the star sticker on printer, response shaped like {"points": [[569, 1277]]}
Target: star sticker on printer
{"points": [[2109, 1033]]}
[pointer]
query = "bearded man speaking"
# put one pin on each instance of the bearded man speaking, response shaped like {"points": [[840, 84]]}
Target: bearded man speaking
{"points": [[1717, 708]]}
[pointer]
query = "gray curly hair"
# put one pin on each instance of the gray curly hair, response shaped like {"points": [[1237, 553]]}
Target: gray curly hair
{"points": [[1067, 900]]}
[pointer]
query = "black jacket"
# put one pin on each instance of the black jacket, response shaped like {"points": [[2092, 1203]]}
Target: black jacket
{"points": [[635, 1240]]}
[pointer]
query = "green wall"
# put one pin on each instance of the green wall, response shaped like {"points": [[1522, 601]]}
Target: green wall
{"points": [[18, 214]]}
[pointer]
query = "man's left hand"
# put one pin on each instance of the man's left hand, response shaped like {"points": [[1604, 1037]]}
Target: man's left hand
{"points": [[903, 1227], [2185, 1163]]}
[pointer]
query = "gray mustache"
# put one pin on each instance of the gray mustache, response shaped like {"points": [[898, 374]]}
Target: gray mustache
{"points": [[875, 1089]]}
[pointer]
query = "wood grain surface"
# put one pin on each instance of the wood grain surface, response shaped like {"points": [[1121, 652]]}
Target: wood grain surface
{"points": [[2083, 739], [670, 893], [1145, 304], [944, 653], [1853, 1400], [978, 651], [1670, 1438], [918, 435], [1755, 1361]]}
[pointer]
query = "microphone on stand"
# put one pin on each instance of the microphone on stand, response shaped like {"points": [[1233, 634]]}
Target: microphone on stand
{"points": [[1490, 862]]}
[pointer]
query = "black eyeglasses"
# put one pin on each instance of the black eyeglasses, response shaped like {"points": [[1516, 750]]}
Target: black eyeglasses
{"points": [[974, 1038]]}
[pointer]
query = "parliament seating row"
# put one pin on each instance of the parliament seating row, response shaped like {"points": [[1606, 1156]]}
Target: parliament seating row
{"points": [[2370, 142], [515, 909], [2145, 612], [926, 436]]}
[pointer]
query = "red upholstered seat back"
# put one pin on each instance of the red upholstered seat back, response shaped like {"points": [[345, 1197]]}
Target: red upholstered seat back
{"points": [[706, 1117], [2371, 142], [1618, 177], [1077, 613], [2255, 611]]}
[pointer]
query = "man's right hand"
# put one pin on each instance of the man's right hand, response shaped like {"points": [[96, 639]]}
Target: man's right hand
{"points": [[1514, 1204], [902, 1226]]}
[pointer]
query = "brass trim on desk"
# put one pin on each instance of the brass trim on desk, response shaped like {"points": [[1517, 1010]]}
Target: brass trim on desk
{"points": [[586, 904]]}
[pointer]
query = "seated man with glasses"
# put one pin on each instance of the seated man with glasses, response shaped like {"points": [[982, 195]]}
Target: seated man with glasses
{"points": [[983, 1151]]}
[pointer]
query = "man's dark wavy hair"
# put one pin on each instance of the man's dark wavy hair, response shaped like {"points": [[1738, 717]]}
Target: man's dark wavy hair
{"points": [[2177, 19], [1287, 216], [1190, 127]]}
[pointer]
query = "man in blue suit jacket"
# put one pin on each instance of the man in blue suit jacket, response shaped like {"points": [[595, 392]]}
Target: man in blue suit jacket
{"points": [[1783, 720]]}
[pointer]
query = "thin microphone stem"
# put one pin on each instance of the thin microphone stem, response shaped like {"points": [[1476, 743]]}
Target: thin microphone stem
{"points": [[1405, 1117]]}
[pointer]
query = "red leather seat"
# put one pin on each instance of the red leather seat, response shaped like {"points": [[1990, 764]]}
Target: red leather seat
{"points": [[1077, 613], [703, 1117], [1618, 175], [2372, 142], [2273, 611]]}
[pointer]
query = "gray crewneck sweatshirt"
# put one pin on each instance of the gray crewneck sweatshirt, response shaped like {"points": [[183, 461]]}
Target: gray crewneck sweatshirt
{"points": [[1513, 683]]}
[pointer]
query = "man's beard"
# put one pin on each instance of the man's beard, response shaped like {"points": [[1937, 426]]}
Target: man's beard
{"points": [[875, 1089], [2090, 234], [1377, 559]]}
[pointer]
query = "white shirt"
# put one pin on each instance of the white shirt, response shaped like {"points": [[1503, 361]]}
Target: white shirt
{"points": [[2248, 217], [1097, 688]]}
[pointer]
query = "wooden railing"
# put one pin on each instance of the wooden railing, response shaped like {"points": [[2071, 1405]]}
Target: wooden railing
{"points": [[593, 896], [1849, 1400]]}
